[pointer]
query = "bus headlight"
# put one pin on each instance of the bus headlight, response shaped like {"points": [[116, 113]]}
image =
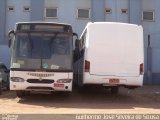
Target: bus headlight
{"points": [[64, 80], [17, 79]]}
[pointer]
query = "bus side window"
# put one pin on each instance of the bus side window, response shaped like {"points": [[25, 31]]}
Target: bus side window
{"points": [[84, 40]]}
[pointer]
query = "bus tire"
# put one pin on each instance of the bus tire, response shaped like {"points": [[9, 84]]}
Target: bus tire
{"points": [[67, 94], [114, 90], [1, 88], [20, 94], [8, 87]]}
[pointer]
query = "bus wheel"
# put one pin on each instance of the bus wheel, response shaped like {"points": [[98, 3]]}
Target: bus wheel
{"points": [[8, 88], [20, 94], [114, 90], [0, 88], [67, 94]]}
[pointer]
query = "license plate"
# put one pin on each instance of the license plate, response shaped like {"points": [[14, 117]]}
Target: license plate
{"points": [[113, 81], [58, 85]]}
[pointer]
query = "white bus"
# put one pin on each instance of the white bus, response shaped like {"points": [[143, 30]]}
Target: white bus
{"points": [[111, 55], [41, 57]]}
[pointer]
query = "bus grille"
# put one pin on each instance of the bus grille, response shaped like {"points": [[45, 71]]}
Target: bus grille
{"points": [[44, 81]]}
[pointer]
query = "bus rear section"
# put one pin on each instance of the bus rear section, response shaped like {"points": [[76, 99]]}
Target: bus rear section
{"points": [[113, 55]]}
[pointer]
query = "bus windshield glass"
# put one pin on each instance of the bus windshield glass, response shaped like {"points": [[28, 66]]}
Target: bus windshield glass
{"points": [[51, 51]]}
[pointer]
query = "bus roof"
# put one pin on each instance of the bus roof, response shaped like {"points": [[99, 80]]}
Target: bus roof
{"points": [[108, 23], [43, 26], [42, 22], [113, 23]]}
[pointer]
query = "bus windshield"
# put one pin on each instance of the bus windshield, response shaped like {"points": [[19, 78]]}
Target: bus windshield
{"points": [[51, 51]]}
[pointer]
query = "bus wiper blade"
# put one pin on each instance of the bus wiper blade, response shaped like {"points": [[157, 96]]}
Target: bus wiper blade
{"points": [[53, 38], [30, 41]]}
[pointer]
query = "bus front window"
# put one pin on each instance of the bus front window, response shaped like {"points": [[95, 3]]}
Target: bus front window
{"points": [[42, 51]]}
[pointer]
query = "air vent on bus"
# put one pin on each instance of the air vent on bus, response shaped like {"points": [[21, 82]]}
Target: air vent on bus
{"points": [[44, 81]]}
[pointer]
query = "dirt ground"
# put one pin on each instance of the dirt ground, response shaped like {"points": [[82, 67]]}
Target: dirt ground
{"points": [[93, 101]]}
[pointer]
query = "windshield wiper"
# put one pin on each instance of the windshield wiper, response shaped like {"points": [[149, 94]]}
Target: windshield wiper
{"points": [[41, 55], [30, 41], [31, 45], [53, 38]]}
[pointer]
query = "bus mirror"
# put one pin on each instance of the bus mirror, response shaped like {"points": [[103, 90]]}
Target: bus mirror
{"points": [[75, 34], [77, 43], [11, 34]]}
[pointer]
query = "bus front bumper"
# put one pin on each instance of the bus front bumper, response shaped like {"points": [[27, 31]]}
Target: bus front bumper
{"points": [[40, 87]]}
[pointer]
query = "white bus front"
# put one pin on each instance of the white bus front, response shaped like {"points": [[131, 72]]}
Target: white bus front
{"points": [[41, 61]]}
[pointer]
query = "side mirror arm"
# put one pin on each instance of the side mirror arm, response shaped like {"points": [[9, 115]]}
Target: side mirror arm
{"points": [[10, 36], [75, 34]]}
